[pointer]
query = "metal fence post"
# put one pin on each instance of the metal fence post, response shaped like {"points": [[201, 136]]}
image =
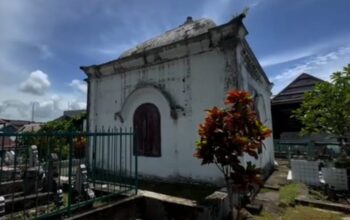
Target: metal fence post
{"points": [[120, 156], [69, 143], [310, 147], [70, 136], [94, 158], [136, 163], [2, 155]]}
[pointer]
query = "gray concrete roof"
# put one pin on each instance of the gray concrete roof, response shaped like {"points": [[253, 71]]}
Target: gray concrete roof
{"points": [[187, 30]]}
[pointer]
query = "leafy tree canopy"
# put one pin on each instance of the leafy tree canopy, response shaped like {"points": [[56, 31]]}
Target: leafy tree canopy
{"points": [[326, 109], [71, 124], [58, 144]]}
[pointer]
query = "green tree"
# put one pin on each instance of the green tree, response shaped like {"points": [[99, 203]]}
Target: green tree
{"points": [[326, 109], [64, 125], [226, 135], [48, 138]]}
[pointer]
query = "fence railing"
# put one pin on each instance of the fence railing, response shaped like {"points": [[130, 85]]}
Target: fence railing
{"points": [[309, 149], [52, 174]]}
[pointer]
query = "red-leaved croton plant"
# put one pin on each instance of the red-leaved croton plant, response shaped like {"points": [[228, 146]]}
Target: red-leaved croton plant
{"points": [[227, 134]]}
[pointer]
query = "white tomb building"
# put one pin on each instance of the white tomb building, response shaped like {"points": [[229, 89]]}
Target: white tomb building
{"points": [[161, 88]]}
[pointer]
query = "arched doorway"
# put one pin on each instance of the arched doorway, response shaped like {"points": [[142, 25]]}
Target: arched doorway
{"points": [[146, 123]]}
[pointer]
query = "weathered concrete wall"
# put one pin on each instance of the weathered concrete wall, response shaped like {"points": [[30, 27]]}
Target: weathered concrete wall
{"points": [[194, 84], [145, 208], [253, 82], [182, 80]]}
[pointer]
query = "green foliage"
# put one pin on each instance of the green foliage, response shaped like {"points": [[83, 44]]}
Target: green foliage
{"points": [[300, 213], [65, 125], [265, 215], [309, 213], [289, 193], [317, 195], [49, 141], [326, 109]]}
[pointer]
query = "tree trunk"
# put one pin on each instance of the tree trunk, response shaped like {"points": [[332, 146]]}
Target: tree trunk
{"points": [[229, 186]]}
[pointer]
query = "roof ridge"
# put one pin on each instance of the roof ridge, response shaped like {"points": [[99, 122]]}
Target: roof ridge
{"points": [[295, 80], [196, 27]]}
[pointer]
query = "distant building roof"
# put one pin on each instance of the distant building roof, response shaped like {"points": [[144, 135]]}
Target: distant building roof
{"points": [[9, 125], [294, 92], [8, 143], [34, 127], [71, 114], [187, 30], [18, 123]]}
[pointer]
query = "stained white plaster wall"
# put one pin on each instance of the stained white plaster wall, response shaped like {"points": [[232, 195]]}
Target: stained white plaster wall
{"points": [[266, 157], [196, 81], [178, 136]]}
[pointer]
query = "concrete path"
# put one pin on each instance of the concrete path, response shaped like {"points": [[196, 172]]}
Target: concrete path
{"points": [[279, 176]]}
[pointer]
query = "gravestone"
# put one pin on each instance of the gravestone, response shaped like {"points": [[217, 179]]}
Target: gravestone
{"points": [[306, 172], [33, 156], [52, 174], [2, 206], [336, 177], [82, 184]]}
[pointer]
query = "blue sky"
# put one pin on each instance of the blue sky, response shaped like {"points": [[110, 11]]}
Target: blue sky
{"points": [[43, 43]]}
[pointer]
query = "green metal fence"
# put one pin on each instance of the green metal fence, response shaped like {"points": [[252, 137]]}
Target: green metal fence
{"points": [[309, 149], [54, 174]]}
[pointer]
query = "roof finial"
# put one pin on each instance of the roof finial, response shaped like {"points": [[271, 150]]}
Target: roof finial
{"points": [[189, 20]]}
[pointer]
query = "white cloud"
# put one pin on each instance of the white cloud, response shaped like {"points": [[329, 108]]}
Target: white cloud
{"points": [[25, 44], [285, 57], [48, 105], [115, 50], [76, 105], [254, 4], [222, 11], [303, 52], [13, 107], [45, 109], [37, 83], [20, 20], [215, 10], [79, 85], [321, 66], [45, 51]]}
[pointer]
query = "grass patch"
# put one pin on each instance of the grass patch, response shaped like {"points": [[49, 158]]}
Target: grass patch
{"points": [[301, 213], [309, 213], [265, 190], [289, 193], [264, 215], [65, 199], [317, 195], [189, 191]]}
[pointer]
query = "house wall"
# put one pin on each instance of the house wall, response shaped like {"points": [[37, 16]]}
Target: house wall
{"points": [[193, 77], [283, 113], [250, 79], [194, 83]]}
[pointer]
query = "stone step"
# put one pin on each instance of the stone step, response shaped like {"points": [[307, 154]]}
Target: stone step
{"points": [[302, 200], [254, 208]]}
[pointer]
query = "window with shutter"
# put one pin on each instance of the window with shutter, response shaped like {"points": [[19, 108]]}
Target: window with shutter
{"points": [[146, 123]]}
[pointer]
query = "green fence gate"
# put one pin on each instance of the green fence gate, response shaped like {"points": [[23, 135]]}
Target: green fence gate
{"points": [[308, 149], [54, 174]]}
